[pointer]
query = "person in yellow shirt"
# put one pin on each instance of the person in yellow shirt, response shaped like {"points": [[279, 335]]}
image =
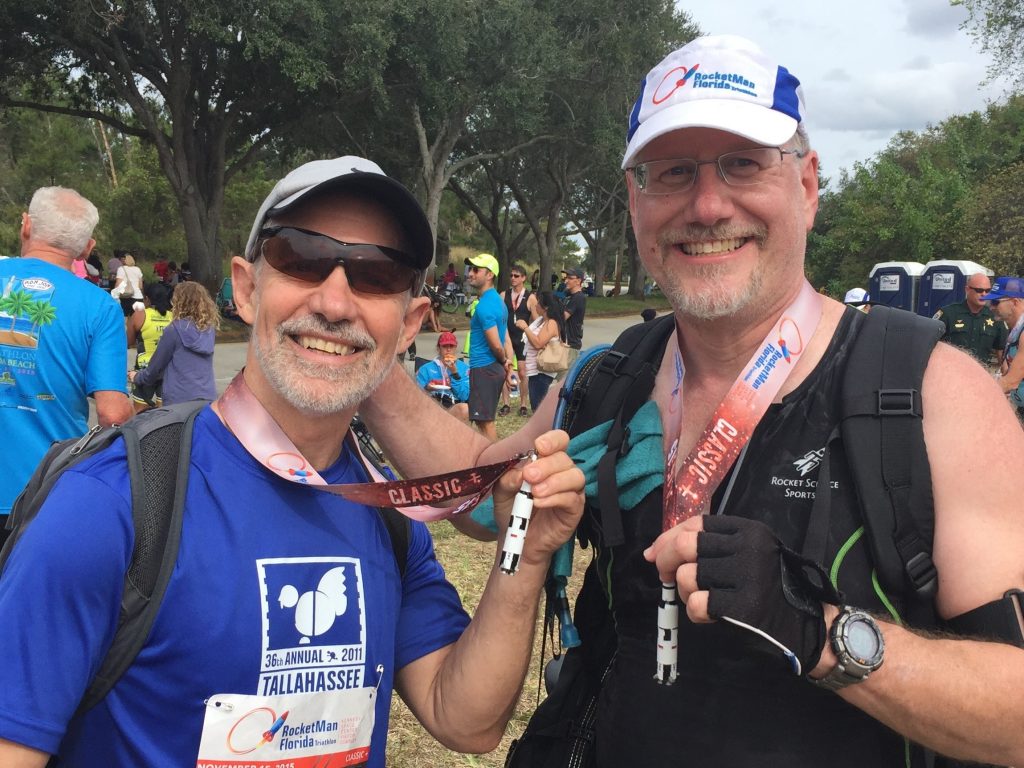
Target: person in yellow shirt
{"points": [[145, 327]]}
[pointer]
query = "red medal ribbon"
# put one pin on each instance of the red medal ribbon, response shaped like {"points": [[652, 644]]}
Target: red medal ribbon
{"points": [[266, 442], [689, 488]]}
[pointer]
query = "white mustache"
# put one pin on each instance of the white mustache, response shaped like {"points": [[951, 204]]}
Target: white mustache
{"points": [[343, 332]]}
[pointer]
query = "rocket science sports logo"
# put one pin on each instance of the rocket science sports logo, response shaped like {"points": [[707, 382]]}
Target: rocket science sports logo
{"points": [[803, 487], [314, 625]]}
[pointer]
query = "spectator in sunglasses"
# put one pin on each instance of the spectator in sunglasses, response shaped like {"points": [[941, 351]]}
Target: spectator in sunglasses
{"points": [[1007, 302], [973, 326], [288, 607]]}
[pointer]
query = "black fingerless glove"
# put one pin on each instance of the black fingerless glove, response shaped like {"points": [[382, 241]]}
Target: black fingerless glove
{"points": [[756, 583]]}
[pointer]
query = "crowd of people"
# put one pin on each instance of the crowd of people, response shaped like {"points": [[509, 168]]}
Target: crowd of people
{"points": [[68, 336], [507, 331], [735, 614]]}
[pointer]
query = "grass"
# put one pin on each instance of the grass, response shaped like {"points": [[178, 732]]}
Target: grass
{"points": [[467, 564]]}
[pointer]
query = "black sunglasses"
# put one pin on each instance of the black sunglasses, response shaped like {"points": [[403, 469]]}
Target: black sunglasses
{"points": [[978, 290], [312, 256]]}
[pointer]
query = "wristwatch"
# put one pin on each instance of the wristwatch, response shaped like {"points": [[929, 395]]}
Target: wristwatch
{"points": [[859, 647]]}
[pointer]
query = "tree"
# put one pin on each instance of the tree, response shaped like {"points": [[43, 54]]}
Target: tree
{"points": [[469, 86], [993, 222], [208, 83], [999, 26]]}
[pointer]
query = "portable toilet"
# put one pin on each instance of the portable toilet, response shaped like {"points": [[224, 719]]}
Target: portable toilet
{"points": [[894, 284], [945, 282]]}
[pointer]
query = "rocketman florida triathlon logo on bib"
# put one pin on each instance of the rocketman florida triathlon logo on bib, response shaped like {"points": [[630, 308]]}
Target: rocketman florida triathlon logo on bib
{"points": [[314, 625]]}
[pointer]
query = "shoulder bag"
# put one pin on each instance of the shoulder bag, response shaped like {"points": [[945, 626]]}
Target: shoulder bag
{"points": [[554, 358]]}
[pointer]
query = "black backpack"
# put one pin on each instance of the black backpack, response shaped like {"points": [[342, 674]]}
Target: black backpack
{"points": [[158, 443], [881, 432]]}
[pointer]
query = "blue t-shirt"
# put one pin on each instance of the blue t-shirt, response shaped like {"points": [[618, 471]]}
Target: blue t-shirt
{"points": [[223, 626], [490, 313], [61, 339]]}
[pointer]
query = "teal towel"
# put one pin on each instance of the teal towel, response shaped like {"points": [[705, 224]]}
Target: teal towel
{"points": [[640, 471]]}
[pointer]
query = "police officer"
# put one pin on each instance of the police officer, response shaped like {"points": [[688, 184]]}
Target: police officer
{"points": [[971, 325]]}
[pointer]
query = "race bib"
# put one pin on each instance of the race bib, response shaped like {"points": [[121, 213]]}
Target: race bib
{"points": [[306, 730]]}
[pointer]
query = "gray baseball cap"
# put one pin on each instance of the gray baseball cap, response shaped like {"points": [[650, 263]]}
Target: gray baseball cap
{"points": [[355, 174]]}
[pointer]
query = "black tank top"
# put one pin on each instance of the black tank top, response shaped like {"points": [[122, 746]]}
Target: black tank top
{"points": [[736, 702]]}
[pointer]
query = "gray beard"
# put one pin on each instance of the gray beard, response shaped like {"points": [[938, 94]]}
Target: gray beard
{"points": [[715, 303], [301, 383]]}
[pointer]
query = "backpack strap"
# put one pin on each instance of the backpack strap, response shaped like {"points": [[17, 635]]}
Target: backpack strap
{"points": [[57, 458], [399, 530], [884, 441], [158, 444], [621, 379]]}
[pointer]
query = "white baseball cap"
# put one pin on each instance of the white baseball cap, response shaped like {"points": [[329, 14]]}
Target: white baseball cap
{"points": [[355, 173], [721, 81]]}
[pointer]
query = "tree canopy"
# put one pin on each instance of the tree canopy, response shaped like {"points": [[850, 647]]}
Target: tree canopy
{"points": [[945, 193], [181, 114]]}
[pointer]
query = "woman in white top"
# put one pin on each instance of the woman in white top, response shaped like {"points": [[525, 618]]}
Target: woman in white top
{"points": [[548, 322], [128, 285]]}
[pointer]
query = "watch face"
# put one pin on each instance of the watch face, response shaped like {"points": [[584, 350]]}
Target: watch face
{"points": [[862, 640]]}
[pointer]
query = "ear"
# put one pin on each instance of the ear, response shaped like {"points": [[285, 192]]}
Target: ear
{"points": [[809, 182], [88, 248], [26, 227], [243, 288], [414, 314], [631, 188]]}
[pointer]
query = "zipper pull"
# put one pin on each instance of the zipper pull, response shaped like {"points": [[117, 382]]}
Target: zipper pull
{"points": [[81, 444]]}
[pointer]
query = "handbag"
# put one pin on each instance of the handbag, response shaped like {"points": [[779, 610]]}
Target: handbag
{"points": [[554, 358]]}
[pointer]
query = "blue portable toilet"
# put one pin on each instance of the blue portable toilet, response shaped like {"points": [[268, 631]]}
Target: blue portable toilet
{"points": [[894, 284], [945, 282]]}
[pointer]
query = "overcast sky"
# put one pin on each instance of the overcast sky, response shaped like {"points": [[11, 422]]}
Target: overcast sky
{"points": [[869, 69]]}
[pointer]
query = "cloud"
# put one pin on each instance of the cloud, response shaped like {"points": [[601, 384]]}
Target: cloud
{"points": [[896, 99], [933, 20]]}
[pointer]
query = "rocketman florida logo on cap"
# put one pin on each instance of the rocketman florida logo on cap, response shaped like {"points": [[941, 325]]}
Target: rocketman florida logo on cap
{"points": [[680, 76]]}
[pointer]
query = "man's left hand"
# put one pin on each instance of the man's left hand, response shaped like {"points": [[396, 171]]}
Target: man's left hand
{"points": [[736, 569]]}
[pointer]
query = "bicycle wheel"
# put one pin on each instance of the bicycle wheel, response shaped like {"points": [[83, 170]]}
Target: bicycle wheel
{"points": [[449, 302]]}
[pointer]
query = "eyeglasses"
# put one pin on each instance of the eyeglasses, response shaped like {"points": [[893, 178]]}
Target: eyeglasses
{"points": [[978, 290], [312, 256], [513, 274], [739, 169], [994, 302]]}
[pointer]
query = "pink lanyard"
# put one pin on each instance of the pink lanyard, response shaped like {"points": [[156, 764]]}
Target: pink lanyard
{"points": [[688, 490], [266, 442]]}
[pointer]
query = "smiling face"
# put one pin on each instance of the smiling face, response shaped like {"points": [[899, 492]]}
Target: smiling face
{"points": [[480, 278], [717, 249], [322, 348]]}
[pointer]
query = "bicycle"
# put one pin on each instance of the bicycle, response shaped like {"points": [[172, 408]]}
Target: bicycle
{"points": [[448, 300]]}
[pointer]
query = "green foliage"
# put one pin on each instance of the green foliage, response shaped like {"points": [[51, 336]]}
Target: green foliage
{"points": [[993, 222], [927, 196], [998, 25]]}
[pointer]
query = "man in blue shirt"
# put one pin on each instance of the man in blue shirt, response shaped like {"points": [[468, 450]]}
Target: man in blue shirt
{"points": [[286, 613], [490, 352], [62, 340]]}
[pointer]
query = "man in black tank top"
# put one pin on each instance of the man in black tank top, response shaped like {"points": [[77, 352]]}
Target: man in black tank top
{"points": [[517, 301], [775, 667]]}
